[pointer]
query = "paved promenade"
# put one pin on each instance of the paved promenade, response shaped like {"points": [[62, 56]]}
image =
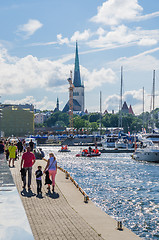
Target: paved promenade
{"points": [[64, 215]]}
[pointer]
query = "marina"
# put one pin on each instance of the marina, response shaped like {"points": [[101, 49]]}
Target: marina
{"points": [[120, 186]]}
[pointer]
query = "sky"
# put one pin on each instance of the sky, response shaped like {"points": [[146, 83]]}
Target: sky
{"points": [[37, 51]]}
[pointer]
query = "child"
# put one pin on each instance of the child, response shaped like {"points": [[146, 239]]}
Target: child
{"points": [[38, 174]]}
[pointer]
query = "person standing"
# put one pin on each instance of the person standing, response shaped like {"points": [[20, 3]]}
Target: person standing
{"points": [[28, 160], [20, 147], [12, 153], [38, 174], [51, 166], [6, 150], [31, 145], [2, 148]]}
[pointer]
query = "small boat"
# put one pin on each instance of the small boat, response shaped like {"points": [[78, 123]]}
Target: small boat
{"points": [[64, 149], [154, 137], [123, 143], [149, 154], [109, 141], [86, 153]]}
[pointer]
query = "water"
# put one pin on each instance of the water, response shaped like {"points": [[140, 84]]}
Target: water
{"points": [[119, 185]]}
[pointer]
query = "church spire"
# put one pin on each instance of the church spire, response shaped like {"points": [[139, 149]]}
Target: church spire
{"points": [[57, 104], [77, 78]]}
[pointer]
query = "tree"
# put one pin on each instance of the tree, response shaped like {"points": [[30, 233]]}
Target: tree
{"points": [[106, 120], [114, 120], [93, 117], [94, 126], [78, 123]]}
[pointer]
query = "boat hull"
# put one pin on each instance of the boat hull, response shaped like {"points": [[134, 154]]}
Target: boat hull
{"points": [[148, 156], [88, 155], [64, 150]]}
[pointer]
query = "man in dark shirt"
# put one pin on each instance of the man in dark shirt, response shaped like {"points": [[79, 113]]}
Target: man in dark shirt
{"points": [[31, 145], [1, 147]]}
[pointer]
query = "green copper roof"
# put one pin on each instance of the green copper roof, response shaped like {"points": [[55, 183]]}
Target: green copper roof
{"points": [[77, 78]]}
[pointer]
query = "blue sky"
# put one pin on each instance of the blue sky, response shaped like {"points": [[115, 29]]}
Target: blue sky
{"points": [[37, 50]]}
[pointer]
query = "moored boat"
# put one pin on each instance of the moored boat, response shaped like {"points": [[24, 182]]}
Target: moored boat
{"points": [[149, 153], [109, 141]]}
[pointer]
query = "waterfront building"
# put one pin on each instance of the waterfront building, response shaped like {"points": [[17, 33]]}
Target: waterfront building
{"points": [[127, 110], [17, 120], [78, 91], [131, 110], [39, 118]]}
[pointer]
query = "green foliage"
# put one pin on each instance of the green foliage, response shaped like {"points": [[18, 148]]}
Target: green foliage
{"points": [[85, 117], [94, 126], [60, 124], [78, 123], [91, 121], [93, 117], [61, 117]]}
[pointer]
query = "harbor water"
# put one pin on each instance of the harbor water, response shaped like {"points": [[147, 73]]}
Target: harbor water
{"points": [[122, 187]]}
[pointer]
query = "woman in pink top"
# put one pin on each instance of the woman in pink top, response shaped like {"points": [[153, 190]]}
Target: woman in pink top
{"points": [[51, 166]]}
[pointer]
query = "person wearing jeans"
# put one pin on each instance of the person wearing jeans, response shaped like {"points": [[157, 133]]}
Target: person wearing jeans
{"points": [[28, 160]]}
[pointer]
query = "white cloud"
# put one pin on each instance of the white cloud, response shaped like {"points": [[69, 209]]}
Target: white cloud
{"points": [[113, 12], [62, 40], [97, 78], [19, 75], [42, 104], [28, 29], [147, 42], [81, 36], [43, 44], [133, 98], [142, 62], [122, 36]]}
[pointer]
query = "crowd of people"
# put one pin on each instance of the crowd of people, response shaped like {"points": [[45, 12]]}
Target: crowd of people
{"points": [[13, 150]]}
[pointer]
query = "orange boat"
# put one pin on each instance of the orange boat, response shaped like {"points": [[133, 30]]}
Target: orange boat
{"points": [[86, 153]]}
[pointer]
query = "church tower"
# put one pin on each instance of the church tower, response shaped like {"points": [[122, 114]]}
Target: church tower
{"points": [[78, 91]]}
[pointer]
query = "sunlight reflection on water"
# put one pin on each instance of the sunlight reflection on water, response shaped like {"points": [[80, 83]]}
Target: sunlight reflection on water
{"points": [[119, 185]]}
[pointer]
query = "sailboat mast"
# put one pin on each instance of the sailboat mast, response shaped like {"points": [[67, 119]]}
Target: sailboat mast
{"points": [[100, 111], [153, 99], [143, 109], [121, 99], [153, 91]]}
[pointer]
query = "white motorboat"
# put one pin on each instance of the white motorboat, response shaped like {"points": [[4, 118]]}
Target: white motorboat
{"points": [[123, 143], [109, 141], [154, 137], [150, 153]]}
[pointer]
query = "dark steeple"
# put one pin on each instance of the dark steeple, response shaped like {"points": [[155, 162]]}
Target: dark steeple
{"points": [[57, 105], [77, 78]]}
